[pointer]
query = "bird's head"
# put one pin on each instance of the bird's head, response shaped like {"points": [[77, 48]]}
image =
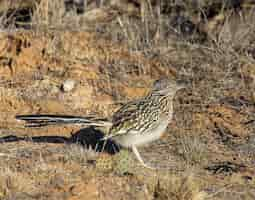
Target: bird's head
{"points": [[167, 86]]}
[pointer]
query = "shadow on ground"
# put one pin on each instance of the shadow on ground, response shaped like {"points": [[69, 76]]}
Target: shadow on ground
{"points": [[87, 137]]}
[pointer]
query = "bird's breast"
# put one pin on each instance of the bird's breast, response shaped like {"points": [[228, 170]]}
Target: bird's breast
{"points": [[139, 139]]}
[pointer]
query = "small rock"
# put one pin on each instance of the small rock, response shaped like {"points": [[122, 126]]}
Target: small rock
{"points": [[54, 89], [68, 85]]}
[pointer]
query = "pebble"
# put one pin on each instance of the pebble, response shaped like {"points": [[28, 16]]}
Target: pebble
{"points": [[68, 85]]}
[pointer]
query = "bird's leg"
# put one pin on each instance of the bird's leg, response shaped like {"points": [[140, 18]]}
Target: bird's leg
{"points": [[139, 158], [104, 144]]}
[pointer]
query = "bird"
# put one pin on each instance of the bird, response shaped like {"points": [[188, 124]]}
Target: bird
{"points": [[136, 123]]}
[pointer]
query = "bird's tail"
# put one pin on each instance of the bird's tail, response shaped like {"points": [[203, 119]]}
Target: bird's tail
{"points": [[46, 120]]}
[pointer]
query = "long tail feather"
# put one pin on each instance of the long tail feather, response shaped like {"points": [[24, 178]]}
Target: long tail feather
{"points": [[46, 120]]}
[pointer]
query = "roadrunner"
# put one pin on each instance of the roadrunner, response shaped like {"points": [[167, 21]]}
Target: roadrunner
{"points": [[136, 123]]}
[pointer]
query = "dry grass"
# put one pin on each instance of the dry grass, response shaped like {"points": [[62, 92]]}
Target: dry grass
{"points": [[192, 150], [12, 181], [49, 14], [79, 154], [183, 187]]}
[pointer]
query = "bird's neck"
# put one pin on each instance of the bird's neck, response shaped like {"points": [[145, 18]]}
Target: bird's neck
{"points": [[166, 103]]}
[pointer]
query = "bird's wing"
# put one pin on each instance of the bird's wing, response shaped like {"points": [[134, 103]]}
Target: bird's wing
{"points": [[132, 118]]}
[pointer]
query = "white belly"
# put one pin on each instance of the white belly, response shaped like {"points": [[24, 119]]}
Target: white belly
{"points": [[139, 139]]}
